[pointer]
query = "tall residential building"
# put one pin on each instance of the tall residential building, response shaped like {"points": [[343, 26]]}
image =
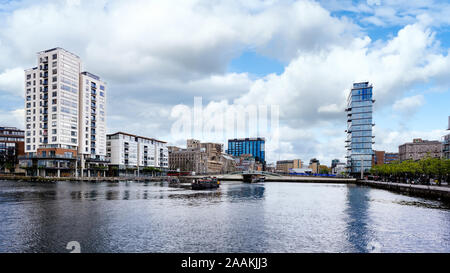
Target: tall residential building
{"points": [[419, 149], [11, 146], [359, 128], [51, 101], [63, 117], [446, 145], [253, 146], [131, 154]]}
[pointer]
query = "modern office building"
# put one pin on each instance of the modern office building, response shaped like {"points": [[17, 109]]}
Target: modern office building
{"points": [[63, 115], [381, 158], [359, 128], [11, 146], [390, 157], [446, 144], [419, 149], [253, 146], [130, 154]]}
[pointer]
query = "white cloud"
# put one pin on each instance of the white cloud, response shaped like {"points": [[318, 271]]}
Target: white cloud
{"points": [[14, 118], [157, 54], [12, 81], [409, 105], [389, 140]]}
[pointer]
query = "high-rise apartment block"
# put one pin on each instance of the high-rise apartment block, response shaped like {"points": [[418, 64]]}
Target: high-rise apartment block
{"points": [[51, 101], [65, 116], [359, 128]]}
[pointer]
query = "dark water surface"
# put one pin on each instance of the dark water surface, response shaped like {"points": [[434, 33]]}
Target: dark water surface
{"points": [[267, 217]]}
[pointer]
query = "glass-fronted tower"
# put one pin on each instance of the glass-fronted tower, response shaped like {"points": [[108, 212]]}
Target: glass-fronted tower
{"points": [[359, 128], [253, 146]]}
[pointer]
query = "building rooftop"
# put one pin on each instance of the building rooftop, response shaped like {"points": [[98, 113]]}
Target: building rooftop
{"points": [[127, 134], [252, 138], [89, 74], [56, 48]]}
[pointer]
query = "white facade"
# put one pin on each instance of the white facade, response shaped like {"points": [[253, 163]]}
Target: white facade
{"points": [[63, 107], [51, 100], [135, 151], [92, 109]]}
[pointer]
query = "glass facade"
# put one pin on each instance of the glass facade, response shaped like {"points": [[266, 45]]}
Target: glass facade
{"points": [[253, 146], [359, 128]]}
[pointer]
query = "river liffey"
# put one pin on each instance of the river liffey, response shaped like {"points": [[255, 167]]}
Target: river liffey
{"points": [[237, 217]]}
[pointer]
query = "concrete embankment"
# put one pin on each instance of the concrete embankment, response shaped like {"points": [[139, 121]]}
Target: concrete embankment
{"points": [[84, 179], [434, 192]]}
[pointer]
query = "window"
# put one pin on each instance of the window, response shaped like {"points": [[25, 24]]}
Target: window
{"points": [[54, 86], [54, 56], [54, 101], [54, 94], [54, 131], [54, 79], [54, 108]]}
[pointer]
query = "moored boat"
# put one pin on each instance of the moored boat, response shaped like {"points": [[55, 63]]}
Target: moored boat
{"points": [[205, 183]]}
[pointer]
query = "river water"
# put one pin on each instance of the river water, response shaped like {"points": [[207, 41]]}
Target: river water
{"points": [[237, 217]]}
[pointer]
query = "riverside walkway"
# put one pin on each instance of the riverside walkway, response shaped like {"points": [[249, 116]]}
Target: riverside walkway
{"points": [[435, 192]]}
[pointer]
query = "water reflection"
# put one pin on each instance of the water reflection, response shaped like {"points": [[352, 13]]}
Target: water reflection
{"points": [[237, 217], [245, 192], [357, 230]]}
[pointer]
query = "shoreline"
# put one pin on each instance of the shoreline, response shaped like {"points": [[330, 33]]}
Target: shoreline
{"points": [[426, 191]]}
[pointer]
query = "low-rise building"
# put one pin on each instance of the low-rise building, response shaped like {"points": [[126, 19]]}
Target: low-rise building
{"points": [[247, 162], [136, 155], [201, 158], [11, 147], [283, 166], [419, 149], [339, 168], [314, 165], [381, 158], [446, 144], [51, 160]]}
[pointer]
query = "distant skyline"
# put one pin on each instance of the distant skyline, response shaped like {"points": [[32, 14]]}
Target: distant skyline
{"points": [[301, 55]]}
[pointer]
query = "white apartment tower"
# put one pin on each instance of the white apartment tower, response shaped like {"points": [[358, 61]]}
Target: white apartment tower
{"points": [[92, 109], [51, 101], [65, 111]]}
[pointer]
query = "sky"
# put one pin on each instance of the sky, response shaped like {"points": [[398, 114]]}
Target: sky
{"points": [[302, 56]]}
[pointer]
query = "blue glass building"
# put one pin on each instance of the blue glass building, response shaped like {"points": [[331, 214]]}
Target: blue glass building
{"points": [[253, 146], [359, 128]]}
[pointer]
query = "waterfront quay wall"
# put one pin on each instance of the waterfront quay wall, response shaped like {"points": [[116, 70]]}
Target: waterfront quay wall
{"points": [[84, 179], [434, 192]]}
